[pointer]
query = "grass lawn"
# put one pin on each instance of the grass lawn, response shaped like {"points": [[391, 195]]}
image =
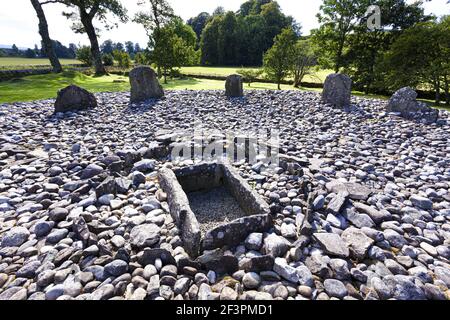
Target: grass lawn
{"points": [[319, 76], [46, 86], [6, 62]]}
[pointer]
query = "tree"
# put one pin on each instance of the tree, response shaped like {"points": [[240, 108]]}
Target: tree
{"points": [[198, 24], [250, 75], [129, 47], [119, 46], [243, 38], [208, 43], [45, 35], [227, 40], [84, 54], [137, 48], [159, 14], [142, 58], [107, 46], [421, 56], [37, 52], [108, 59], [15, 50], [278, 59], [170, 51], [29, 53], [73, 49], [338, 19], [303, 62], [219, 11], [365, 48], [122, 58], [83, 16]]}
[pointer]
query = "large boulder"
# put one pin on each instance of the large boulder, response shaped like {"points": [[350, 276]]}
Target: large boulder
{"points": [[74, 98], [234, 86], [144, 84], [337, 90], [404, 102]]}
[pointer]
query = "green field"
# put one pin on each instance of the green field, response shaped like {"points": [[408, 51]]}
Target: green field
{"points": [[46, 86], [7, 62], [318, 77]]}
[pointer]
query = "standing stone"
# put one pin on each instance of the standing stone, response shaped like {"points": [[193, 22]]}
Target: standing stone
{"points": [[144, 84], [234, 86], [404, 102], [73, 98], [337, 90]]}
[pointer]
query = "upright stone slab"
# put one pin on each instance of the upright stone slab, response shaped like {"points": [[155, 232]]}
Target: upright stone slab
{"points": [[337, 90], [144, 84], [404, 102], [74, 98], [234, 86]]}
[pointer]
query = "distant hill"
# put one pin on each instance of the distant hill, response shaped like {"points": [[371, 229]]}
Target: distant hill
{"points": [[6, 46]]}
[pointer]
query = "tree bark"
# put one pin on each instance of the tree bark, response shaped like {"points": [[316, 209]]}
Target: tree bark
{"points": [[86, 20], [46, 40]]}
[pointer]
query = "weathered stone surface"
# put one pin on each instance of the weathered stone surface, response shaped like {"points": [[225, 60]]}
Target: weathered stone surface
{"points": [[332, 244], [275, 245], [337, 90], [404, 102], [219, 262], [145, 235], [144, 84], [234, 86], [73, 98], [235, 232], [357, 242], [15, 237], [355, 191]]}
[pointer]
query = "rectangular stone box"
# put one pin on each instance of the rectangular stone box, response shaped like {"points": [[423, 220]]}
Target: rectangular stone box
{"points": [[213, 206]]}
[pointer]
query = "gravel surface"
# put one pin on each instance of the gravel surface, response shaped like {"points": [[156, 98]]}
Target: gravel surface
{"points": [[82, 215], [214, 208]]}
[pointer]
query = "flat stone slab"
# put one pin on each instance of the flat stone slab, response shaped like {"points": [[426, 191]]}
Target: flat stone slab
{"points": [[355, 191], [332, 244]]}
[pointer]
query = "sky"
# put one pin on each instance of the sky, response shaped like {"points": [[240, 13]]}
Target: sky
{"points": [[18, 21]]}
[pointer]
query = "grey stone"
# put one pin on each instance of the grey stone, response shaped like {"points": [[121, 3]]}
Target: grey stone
{"points": [[421, 202], [144, 84], [275, 245], [337, 90], [335, 288], [73, 98], [251, 280], [332, 244], [404, 102], [254, 241], [43, 228], [234, 86], [357, 242], [145, 235], [116, 268], [15, 237]]}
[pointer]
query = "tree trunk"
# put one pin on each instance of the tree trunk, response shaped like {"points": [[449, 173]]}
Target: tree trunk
{"points": [[95, 48], [46, 40]]}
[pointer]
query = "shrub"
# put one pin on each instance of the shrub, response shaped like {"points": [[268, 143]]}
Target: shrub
{"points": [[123, 59], [142, 58], [84, 55], [250, 75], [108, 60]]}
